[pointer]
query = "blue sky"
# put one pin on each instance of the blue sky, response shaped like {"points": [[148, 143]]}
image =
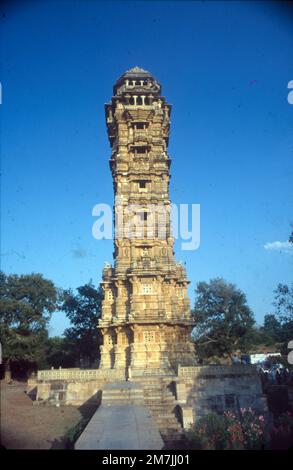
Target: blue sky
{"points": [[224, 66]]}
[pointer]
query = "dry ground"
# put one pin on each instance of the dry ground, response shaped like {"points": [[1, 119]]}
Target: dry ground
{"points": [[24, 426]]}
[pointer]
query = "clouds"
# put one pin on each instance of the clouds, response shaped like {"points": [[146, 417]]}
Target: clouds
{"points": [[281, 247], [81, 253]]}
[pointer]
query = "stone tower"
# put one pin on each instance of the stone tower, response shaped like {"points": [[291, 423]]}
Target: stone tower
{"points": [[146, 319]]}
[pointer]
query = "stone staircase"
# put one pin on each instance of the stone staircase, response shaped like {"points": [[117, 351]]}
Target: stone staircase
{"points": [[159, 397], [122, 422], [123, 393]]}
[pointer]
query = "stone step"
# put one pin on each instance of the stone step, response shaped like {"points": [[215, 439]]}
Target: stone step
{"points": [[168, 428], [163, 411], [159, 399], [166, 400], [170, 432], [169, 415], [156, 383], [122, 393], [125, 393], [161, 417], [111, 400], [148, 391], [162, 425], [113, 393], [161, 407], [155, 391], [123, 402], [158, 390], [161, 404]]}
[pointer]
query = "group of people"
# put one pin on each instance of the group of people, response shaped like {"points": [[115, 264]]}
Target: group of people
{"points": [[276, 374], [271, 373]]}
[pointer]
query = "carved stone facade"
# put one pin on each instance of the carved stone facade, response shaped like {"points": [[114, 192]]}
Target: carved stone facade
{"points": [[146, 319]]}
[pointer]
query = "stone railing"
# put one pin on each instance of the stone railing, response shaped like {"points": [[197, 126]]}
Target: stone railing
{"points": [[81, 374], [216, 370]]}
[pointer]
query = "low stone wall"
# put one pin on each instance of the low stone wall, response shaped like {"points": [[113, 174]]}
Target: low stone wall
{"points": [[199, 389], [191, 372], [80, 374], [202, 389], [73, 386]]}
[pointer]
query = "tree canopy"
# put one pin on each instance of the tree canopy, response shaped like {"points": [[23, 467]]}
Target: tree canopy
{"points": [[283, 302], [224, 321], [26, 305], [83, 310]]}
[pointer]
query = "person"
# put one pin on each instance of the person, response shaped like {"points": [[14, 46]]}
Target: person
{"points": [[235, 359], [278, 376], [245, 359]]}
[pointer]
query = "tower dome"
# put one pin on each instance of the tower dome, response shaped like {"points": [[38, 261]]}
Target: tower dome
{"points": [[136, 77]]}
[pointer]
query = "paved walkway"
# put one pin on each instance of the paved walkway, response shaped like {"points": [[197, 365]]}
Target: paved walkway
{"points": [[120, 427]]}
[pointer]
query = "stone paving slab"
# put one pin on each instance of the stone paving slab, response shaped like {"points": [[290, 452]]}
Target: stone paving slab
{"points": [[120, 427]]}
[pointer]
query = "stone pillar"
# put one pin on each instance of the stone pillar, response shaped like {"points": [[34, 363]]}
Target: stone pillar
{"points": [[106, 352], [105, 362], [187, 417], [120, 349], [120, 309], [181, 395]]}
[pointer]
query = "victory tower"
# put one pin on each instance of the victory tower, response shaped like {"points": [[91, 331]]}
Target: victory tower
{"points": [[146, 318]]}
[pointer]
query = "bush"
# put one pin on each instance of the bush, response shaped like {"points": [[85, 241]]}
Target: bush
{"points": [[253, 428], [228, 431], [72, 434], [209, 433]]}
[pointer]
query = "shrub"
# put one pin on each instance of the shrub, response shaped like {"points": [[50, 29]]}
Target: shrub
{"points": [[253, 428], [208, 433], [228, 431], [236, 439], [73, 433]]}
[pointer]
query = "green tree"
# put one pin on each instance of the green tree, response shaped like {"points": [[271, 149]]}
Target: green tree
{"points": [[224, 322], [26, 304], [260, 338], [272, 328], [283, 303], [60, 352], [83, 310]]}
